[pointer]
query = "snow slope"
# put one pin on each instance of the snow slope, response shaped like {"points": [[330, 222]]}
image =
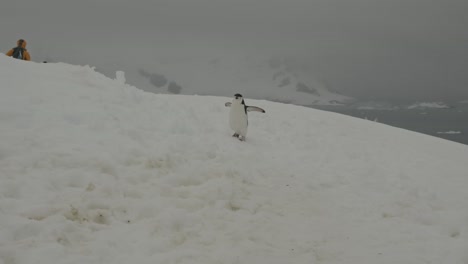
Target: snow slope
{"points": [[95, 171]]}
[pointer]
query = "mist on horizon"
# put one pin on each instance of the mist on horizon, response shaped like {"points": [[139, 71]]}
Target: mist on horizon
{"points": [[402, 50]]}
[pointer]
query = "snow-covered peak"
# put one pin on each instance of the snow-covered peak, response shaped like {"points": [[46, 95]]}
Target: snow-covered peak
{"points": [[224, 75]]}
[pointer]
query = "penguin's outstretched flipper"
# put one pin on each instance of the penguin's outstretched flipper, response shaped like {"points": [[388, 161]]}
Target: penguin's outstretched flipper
{"points": [[254, 109]]}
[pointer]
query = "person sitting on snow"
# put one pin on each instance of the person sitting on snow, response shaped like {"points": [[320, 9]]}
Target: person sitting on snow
{"points": [[19, 52]]}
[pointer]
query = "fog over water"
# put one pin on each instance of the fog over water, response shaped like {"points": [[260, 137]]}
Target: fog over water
{"points": [[448, 123]]}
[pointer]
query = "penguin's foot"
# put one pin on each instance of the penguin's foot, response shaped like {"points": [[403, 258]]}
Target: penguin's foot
{"points": [[235, 135], [241, 138]]}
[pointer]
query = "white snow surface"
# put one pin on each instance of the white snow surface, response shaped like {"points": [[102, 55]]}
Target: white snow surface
{"points": [[93, 170]]}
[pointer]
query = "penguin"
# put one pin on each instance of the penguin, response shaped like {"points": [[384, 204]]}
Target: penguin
{"points": [[238, 116]]}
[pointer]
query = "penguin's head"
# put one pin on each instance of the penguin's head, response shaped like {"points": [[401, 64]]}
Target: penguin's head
{"points": [[238, 98]]}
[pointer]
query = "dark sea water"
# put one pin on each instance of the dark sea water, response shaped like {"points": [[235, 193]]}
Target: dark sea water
{"points": [[448, 123]]}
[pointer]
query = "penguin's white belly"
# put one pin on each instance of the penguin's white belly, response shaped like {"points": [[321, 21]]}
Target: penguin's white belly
{"points": [[238, 119]]}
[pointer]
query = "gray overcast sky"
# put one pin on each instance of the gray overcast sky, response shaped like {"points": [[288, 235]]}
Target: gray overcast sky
{"points": [[370, 49]]}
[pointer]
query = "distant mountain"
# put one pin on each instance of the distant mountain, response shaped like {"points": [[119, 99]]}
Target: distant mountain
{"points": [[253, 76]]}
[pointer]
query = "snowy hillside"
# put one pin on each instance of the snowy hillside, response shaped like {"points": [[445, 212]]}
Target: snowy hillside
{"points": [[95, 171]]}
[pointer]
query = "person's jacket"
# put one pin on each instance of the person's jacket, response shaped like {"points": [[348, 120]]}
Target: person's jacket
{"points": [[26, 55]]}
